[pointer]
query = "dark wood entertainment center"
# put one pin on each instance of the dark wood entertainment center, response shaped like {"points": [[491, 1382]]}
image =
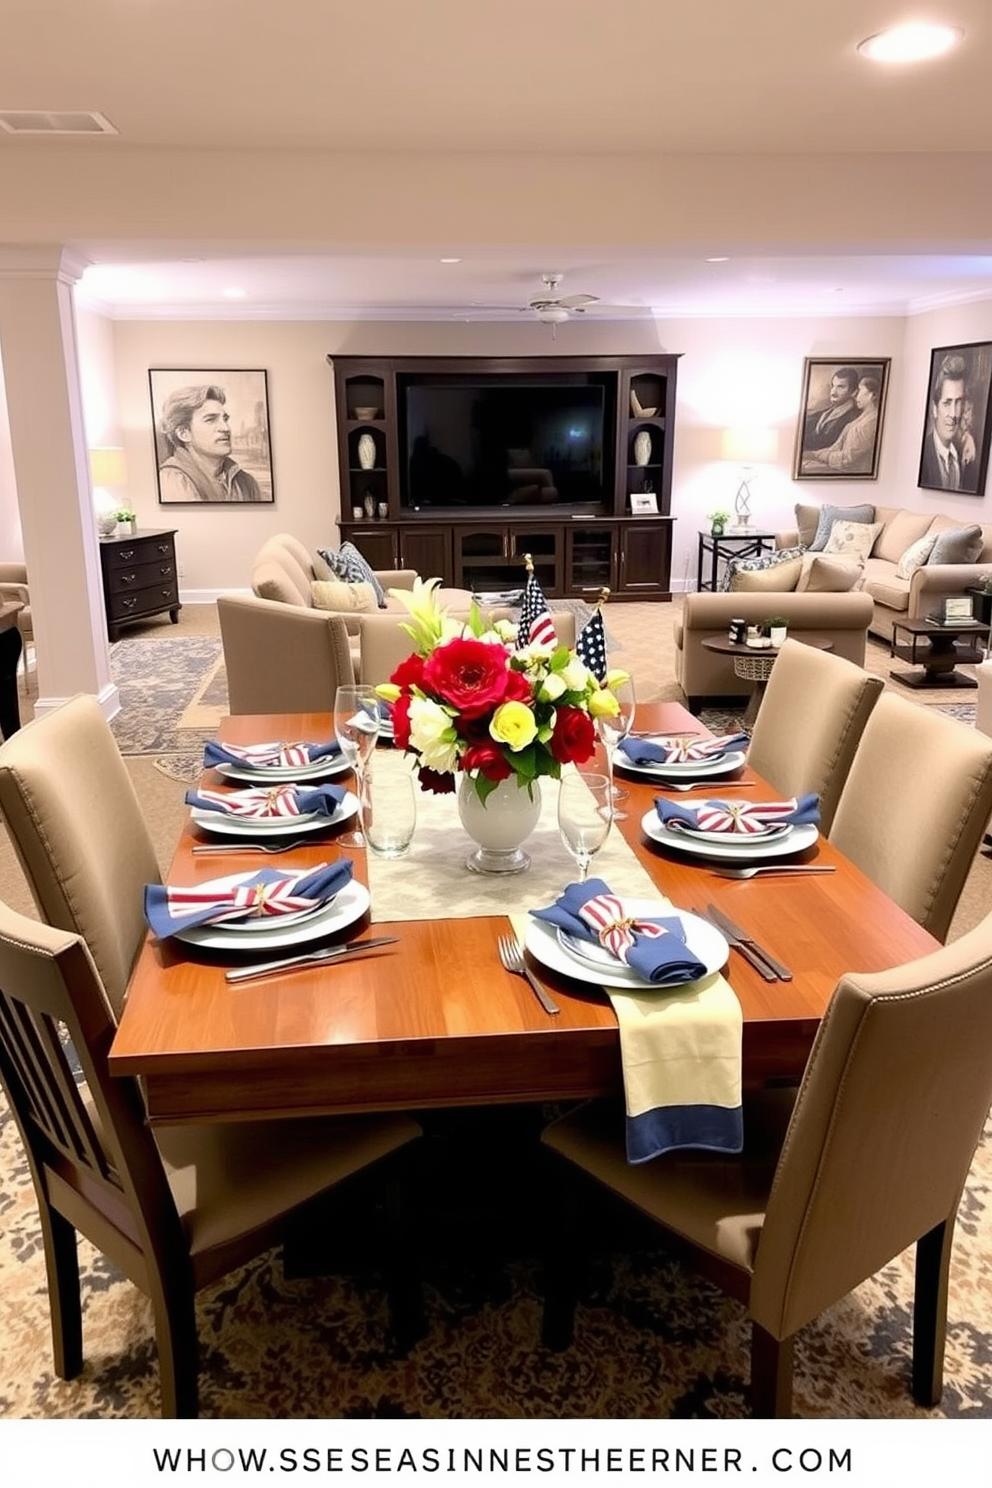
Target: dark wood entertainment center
{"points": [[575, 552]]}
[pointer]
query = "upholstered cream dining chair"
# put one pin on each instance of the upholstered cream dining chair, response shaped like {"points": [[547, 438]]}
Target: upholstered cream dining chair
{"points": [[870, 1157], [811, 718], [175, 1210], [914, 807], [76, 825], [282, 658]]}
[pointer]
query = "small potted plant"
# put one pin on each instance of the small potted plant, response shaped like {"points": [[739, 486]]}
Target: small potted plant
{"points": [[126, 522], [775, 628], [718, 521]]}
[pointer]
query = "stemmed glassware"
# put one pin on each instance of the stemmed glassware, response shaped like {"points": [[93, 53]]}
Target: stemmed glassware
{"points": [[356, 728], [585, 814], [611, 731]]}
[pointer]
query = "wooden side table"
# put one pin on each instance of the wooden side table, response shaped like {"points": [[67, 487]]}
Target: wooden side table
{"points": [[728, 545], [755, 664], [941, 655]]}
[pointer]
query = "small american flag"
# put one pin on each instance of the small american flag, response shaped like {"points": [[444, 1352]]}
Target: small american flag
{"points": [[535, 627], [590, 647]]}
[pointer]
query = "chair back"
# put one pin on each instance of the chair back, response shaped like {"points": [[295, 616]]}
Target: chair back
{"points": [[812, 716], [282, 658], [91, 1153], [884, 1129], [914, 807], [73, 816]]}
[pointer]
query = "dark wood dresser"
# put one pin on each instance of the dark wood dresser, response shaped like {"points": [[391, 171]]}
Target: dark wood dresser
{"points": [[140, 578]]}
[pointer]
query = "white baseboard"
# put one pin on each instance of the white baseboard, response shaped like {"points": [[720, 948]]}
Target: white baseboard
{"points": [[206, 596], [109, 699]]}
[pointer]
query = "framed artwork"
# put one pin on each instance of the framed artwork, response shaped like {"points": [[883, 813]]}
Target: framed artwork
{"points": [[211, 436], [839, 434], [956, 427], [644, 501]]}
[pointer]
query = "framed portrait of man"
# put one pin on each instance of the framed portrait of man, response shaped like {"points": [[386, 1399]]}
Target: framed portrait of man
{"points": [[956, 427], [839, 434], [211, 436]]}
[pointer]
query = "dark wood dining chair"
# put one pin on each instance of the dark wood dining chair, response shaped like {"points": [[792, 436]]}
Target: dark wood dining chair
{"points": [[174, 1210], [811, 718], [870, 1156]]}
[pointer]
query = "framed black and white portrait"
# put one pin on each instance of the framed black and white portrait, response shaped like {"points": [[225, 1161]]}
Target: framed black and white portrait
{"points": [[839, 435], [956, 426], [211, 436]]}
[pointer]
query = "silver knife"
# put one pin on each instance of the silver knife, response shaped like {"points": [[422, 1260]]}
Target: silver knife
{"points": [[760, 959], [310, 958]]}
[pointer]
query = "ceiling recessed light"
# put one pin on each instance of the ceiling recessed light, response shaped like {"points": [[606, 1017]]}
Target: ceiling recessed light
{"points": [[723, 259], [235, 294], [451, 260], [914, 42]]}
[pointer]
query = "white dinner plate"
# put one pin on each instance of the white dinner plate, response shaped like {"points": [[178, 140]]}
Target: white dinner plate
{"points": [[274, 826], [742, 850], [691, 769], [767, 834], [262, 924], [703, 940], [344, 909], [321, 769]]}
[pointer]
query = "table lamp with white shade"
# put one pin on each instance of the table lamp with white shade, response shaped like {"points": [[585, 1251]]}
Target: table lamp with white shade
{"points": [[108, 474], [747, 446]]}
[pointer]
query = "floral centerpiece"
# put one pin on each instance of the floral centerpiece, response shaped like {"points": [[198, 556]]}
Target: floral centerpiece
{"points": [[468, 700]]}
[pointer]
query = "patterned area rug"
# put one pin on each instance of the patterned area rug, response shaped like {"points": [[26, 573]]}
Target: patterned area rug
{"points": [[156, 679]]}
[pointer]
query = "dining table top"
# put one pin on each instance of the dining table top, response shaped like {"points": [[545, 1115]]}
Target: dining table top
{"points": [[435, 1021]]}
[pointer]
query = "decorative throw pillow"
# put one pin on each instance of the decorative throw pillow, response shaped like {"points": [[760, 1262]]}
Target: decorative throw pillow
{"points": [[752, 565], [831, 514], [807, 521], [914, 557], [853, 539], [957, 545], [321, 568], [823, 575], [348, 564], [331, 594], [779, 578]]}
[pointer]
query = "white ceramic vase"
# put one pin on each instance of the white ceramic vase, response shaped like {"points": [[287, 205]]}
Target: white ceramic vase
{"points": [[642, 447], [500, 824], [777, 635], [366, 451]]}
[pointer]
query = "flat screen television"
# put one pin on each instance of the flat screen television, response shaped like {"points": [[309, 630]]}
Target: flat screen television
{"points": [[506, 440]]}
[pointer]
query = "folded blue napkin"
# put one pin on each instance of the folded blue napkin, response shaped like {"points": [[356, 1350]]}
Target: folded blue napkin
{"points": [[270, 804], [654, 948], [269, 893], [682, 751], [268, 756], [737, 820]]}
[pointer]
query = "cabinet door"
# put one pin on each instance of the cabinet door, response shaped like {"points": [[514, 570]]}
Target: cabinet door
{"points": [[645, 558], [377, 545], [428, 550], [590, 558]]}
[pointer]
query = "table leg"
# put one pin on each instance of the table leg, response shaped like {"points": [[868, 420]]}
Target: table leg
{"points": [[753, 705], [10, 655]]}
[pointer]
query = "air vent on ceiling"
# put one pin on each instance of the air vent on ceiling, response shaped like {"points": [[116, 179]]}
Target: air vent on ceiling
{"points": [[41, 121]]}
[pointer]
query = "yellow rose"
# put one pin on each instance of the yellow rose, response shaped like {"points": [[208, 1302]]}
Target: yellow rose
{"points": [[615, 677], [603, 704], [388, 691], [513, 724]]}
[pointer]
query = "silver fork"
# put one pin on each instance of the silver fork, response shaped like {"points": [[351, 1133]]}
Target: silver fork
{"points": [[512, 958], [253, 847], [773, 868], [714, 787]]}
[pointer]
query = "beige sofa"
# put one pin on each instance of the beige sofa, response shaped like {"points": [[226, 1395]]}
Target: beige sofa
{"points": [[897, 598], [705, 676]]}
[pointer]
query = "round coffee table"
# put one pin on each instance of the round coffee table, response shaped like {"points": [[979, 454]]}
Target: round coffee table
{"points": [[755, 663]]}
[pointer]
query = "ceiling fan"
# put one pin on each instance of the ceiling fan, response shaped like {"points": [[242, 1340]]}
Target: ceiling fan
{"points": [[554, 309]]}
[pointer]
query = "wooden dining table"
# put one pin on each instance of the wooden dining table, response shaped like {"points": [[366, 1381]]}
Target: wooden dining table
{"points": [[434, 1020]]}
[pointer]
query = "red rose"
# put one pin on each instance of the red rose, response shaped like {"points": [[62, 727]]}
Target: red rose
{"points": [[409, 673], [469, 674], [401, 720], [574, 737], [488, 760], [518, 689], [438, 781]]}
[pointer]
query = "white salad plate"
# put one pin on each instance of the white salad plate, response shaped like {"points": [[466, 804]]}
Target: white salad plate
{"points": [[741, 849], [690, 770], [347, 906], [321, 769], [272, 826], [546, 944], [767, 834]]}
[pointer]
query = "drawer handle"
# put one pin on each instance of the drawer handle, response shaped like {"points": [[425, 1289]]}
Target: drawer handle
{"points": [[164, 548], [128, 578], [167, 592], [129, 604], [127, 554], [166, 570]]}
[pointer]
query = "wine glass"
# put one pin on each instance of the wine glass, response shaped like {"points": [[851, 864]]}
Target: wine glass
{"points": [[356, 728], [585, 814], [611, 731]]}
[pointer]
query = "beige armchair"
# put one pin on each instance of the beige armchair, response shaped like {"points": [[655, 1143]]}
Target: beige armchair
{"points": [[14, 586], [282, 658]]}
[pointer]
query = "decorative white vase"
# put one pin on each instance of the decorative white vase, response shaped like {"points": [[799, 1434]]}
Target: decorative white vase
{"points": [[777, 635], [500, 824], [366, 452], [642, 447]]}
